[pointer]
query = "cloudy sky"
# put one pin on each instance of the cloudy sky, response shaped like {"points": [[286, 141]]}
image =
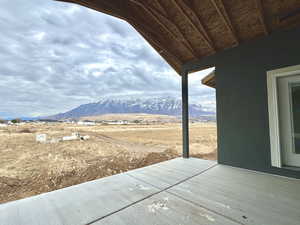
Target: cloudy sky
{"points": [[55, 56]]}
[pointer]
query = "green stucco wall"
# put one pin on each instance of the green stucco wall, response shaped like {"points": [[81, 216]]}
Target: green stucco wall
{"points": [[242, 105]]}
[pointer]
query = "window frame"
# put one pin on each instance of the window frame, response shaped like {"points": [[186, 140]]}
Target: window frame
{"points": [[272, 77]]}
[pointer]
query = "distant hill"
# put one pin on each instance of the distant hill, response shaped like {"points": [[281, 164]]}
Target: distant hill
{"points": [[162, 106]]}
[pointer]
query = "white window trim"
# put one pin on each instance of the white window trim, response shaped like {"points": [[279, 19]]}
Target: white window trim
{"points": [[272, 77]]}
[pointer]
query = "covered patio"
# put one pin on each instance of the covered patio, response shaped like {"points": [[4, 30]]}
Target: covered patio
{"points": [[243, 40], [179, 191]]}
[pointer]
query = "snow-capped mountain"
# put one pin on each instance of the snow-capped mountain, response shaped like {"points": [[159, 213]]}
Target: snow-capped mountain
{"points": [[162, 106]]}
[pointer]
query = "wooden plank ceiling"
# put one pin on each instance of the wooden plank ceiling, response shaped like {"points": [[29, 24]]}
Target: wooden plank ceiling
{"points": [[188, 30]]}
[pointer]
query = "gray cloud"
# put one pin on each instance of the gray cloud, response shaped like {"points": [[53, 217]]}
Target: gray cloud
{"points": [[55, 56]]}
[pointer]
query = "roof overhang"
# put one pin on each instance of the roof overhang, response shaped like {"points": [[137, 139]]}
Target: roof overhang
{"points": [[186, 31], [209, 80]]}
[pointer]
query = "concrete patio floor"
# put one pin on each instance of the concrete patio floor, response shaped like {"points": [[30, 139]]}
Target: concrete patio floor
{"points": [[179, 191]]}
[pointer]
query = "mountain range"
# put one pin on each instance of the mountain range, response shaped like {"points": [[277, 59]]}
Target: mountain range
{"points": [[162, 106]]}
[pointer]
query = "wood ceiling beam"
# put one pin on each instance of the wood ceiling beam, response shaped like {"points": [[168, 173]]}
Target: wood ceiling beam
{"points": [[177, 29], [224, 16], [147, 33], [161, 8], [168, 26], [260, 11], [199, 28]]}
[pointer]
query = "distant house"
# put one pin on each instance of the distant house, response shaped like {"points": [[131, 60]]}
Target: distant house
{"points": [[86, 123], [116, 122]]}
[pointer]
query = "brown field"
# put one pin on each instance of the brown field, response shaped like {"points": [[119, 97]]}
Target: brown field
{"points": [[132, 117], [28, 168]]}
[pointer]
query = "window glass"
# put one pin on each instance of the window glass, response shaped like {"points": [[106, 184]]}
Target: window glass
{"points": [[295, 110]]}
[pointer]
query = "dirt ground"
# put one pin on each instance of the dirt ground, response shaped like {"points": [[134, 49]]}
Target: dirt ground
{"points": [[29, 168]]}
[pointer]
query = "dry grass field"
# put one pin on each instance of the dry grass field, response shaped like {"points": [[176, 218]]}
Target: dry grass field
{"points": [[28, 168], [132, 116]]}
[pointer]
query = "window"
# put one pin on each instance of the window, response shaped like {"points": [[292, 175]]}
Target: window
{"points": [[284, 116]]}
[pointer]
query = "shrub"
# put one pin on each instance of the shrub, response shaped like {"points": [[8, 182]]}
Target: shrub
{"points": [[16, 120]]}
